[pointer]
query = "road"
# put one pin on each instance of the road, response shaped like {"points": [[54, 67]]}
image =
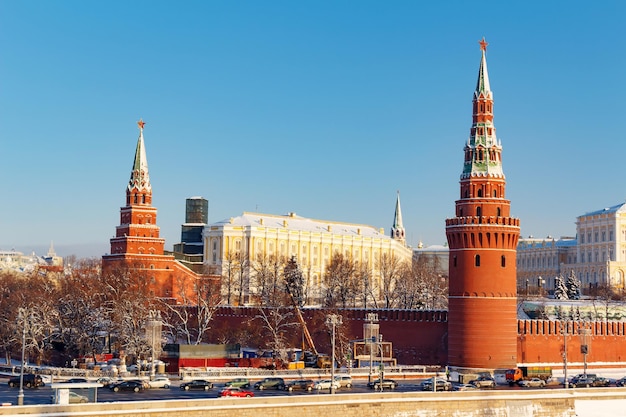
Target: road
{"points": [[43, 395]]}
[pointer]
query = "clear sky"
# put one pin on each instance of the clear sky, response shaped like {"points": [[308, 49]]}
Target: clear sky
{"points": [[323, 108]]}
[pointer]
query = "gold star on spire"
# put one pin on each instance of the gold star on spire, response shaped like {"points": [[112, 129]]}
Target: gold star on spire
{"points": [[483, 44], [141, 124]]}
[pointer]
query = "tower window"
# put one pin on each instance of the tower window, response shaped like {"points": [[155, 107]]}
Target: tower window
{"points": [[480, 192], [479, 211], [503, 261], [476, 260], [499, 213], [454, 261]]}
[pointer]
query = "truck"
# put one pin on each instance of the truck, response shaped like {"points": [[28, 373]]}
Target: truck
{"points": [[521, 373]]}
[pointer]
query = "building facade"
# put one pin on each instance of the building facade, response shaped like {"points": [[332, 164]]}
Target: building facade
{"points": [[244, 239], [482, 238], [540, 261], [600, 253]]}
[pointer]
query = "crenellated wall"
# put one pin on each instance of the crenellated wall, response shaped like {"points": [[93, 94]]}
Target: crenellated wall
{"points": [[420, 337]]}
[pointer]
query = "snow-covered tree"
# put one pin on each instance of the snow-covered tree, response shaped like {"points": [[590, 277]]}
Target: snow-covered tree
{"points": [[573, 286], [560, 289]]}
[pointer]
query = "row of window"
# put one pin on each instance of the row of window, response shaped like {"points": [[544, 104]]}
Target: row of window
{"points": [[597, 236], [477, 261]]}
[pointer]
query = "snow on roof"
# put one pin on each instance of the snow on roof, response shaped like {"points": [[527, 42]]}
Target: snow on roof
{"points": [[292, 221], [613, 209]]}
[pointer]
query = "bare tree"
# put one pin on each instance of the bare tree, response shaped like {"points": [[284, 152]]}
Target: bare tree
{"points": [[391, 270], [191, 320], [268, 270], [341, 281]]}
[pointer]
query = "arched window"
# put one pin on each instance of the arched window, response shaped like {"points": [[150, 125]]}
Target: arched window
{"points": [[476, 260], [479, 211], [503, 261], [499, 213], [480, 192]]}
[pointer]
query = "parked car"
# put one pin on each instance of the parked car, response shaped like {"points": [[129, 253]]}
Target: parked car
{"points": [[270, 383], [386, 383], [582, 381], [442, 385], [344, 381], [601, 382], [484, 382], [235, 392], [106, 381], [238, 383], [76, 381], [464, 387], [621, 382], [196, 384], [134, 386], [300, 384], [326, 384], [28, 381], [160, 382], [532, 383], [73, 398]]}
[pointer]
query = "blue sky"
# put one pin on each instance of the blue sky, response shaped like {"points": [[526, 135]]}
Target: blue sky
{"points": [[323, 108]]}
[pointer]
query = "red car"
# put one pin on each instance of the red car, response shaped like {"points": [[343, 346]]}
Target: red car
{"points": [[235, 392]]}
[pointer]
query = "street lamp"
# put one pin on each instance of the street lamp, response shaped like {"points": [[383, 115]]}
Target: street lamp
{"points": [[370, 339], [333, 320], [540, 282], [565, 326], [585, 339], [21, 315], [154, 334]]}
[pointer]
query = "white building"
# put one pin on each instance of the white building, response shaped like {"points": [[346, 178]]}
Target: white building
{"points": [[312, 242]]}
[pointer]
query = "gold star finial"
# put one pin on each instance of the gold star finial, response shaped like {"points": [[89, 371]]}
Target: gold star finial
{"points": [[483, 44], [141, 124]]}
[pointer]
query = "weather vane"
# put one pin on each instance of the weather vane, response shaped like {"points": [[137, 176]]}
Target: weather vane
{"points": [[141, 124], [483, 44]]}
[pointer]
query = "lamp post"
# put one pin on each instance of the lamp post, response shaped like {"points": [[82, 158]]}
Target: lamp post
{"points": [[154, 334], [21, 314], [526, 287], [370, 339], [564, 324], [333, 320], [540, 282], [585, 340]]}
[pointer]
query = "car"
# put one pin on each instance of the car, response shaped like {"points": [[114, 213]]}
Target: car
{"points": [[235, 392], [582, 381], [160, 382], [106, 381], [76, 381], [442, 385], [270, 383], [196, 384], [484, 382], [73, 398], [621, 382], [344, 381], [464, 387], [325, 384], [238, 383], [28, 381], [532, 383], [300, 384], [386, 383], [601, 382], [131, 385]]}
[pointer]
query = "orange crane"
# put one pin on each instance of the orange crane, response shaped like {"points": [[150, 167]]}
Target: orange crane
{"points": [[322, 361]]}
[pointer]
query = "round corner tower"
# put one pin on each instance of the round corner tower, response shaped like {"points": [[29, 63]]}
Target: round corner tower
{"points": [[482, 237]]}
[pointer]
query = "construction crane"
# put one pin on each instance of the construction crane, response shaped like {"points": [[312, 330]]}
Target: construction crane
{"points": [[321, 360]]}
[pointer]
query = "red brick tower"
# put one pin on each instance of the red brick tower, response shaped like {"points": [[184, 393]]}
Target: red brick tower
{"points": [[482, 312], [137, 243]]}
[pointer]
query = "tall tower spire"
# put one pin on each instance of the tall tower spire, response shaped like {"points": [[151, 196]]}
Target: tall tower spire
{"points": [[397, 230], [482, 304], [138, 232]]}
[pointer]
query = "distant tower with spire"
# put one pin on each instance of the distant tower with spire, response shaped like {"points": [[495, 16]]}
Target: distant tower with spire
{"points": [[482, 237], [397, 230], [137, 243]]}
